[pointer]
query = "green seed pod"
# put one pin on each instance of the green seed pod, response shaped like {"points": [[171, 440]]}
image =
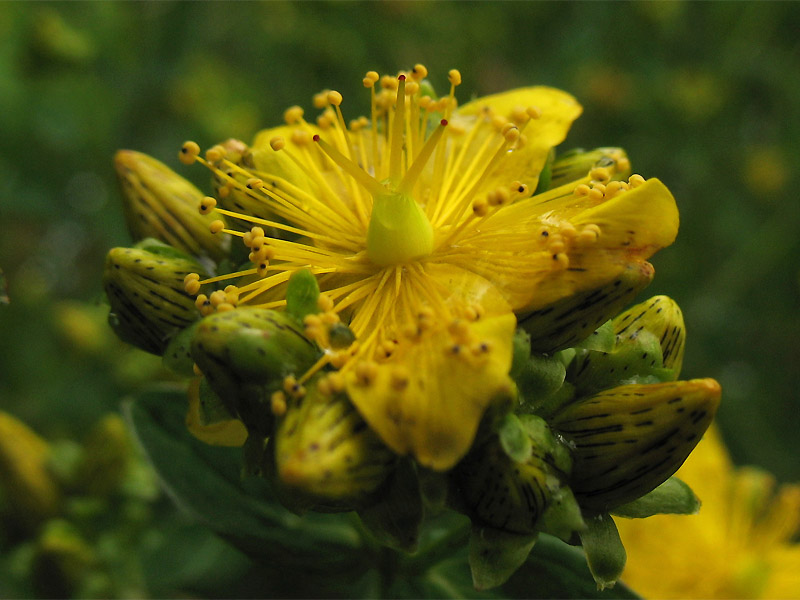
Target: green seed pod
{"points": [[661, 316], [147, 296], [326, 455], [246, 354], [496, 490], [161, 204], [577, 163], [567, 322], [630, 439]]}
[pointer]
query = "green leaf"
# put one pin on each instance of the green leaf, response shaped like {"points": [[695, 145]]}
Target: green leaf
{"points": [[557, 570], [604, 550], [302, 295], [672, 497], [205, 481], [495, 555]]}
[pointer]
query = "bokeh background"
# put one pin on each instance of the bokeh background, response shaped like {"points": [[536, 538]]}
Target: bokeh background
{"points": [[702, 95]]}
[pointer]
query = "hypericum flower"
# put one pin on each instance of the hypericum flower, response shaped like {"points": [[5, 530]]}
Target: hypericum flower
{"points": [[742, 543], [421, 225]]}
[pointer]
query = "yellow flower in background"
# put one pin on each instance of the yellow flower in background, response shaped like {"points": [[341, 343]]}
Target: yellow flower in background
{"points": [[421, 226], [742, 543]]}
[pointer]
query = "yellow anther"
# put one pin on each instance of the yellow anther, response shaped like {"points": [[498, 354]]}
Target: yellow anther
{"points": [[480, 207], [368, 83], [568, 230], [519, 115], [454, 76], [262, 267], [257, 231], [324, 303], [293, 115], [387, 348], [320, 100], [372, 76], [189, 152], [459, 330], [521, 188], [543, 233], [534, 112], [500, 123], [399, 378], [330, 318], [335, 98], [225, 307], [201, 302], [389, 83], [601, 174], [614, 188], [216, 298], [355, 125], [312, 321], [425, 102], [216, 226], [257, 241], [589, 234], [324, 121], [555, 246], [561, 260], [215, 153], [419, 72], [254, 183], [481, 348], [425, 314], [192, 287], [224, 191], [499, 197], [277, 143], [191, 277], [522, 141], [511, 134], [301, 137], [277, 403], [207, 204], [232, 294], [412, 87], [582, 190], [635, 181], [366, 372], [339, 359], [337, 382], [623, 164]]}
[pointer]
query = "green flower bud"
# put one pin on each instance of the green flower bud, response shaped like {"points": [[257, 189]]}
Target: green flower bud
{"points": [[661, 316], [572, 319], [245, 354], [630, 439], [146, 292], [507, 483], [577, 163], [325, 454], [161, 204]]}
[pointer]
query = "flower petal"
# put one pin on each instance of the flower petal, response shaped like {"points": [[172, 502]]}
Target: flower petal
{"points": [[558, 111], [429, 399]]}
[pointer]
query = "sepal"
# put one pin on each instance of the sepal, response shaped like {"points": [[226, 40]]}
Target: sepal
{"points": [[604, 550]]}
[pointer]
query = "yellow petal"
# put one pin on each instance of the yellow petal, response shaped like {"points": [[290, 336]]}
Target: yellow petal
{"points": [[231, 432], [558, 111], [429, 399]]}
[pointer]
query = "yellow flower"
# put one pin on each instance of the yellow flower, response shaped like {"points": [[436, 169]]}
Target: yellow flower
{"points": [[421, 226], [738, 546]]}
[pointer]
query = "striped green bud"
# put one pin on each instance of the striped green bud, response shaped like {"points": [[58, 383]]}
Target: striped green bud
{"points": [[628, 440], [661, 316], [325, 454], [245, 354], [577, 163], [568, 321], [161, 204], [507, 482], [146, 291]]}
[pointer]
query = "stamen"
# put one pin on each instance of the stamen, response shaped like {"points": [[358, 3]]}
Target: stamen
{"points": [[413, 173], [396, 139], [372, 185]]}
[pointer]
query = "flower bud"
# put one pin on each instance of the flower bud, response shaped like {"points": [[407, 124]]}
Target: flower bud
{"points": [[506, 493], [326, 454], [246, 354], [661, 316], [568, 321], [577, 163], [147, 296], [161, 204], [630, 439], [26, 482]]}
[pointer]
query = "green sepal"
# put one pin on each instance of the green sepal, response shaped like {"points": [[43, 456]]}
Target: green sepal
{"points": [[575, 164], [396, 516], [212, 408], [521, 352], [673, 497], [539, 379], [557, 453], [555, 402], [514, 438], [302, 295], [546, 175], [494, 555], [178, 353], [604, 550], [162, 249], [563, 517], [602, 339]]}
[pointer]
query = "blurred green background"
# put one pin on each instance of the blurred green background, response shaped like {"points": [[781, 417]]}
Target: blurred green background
{"points": [[701, 95]]}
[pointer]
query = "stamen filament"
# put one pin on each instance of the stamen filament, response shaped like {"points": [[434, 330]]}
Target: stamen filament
{"points": [[372, 185], [396, 140]]}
